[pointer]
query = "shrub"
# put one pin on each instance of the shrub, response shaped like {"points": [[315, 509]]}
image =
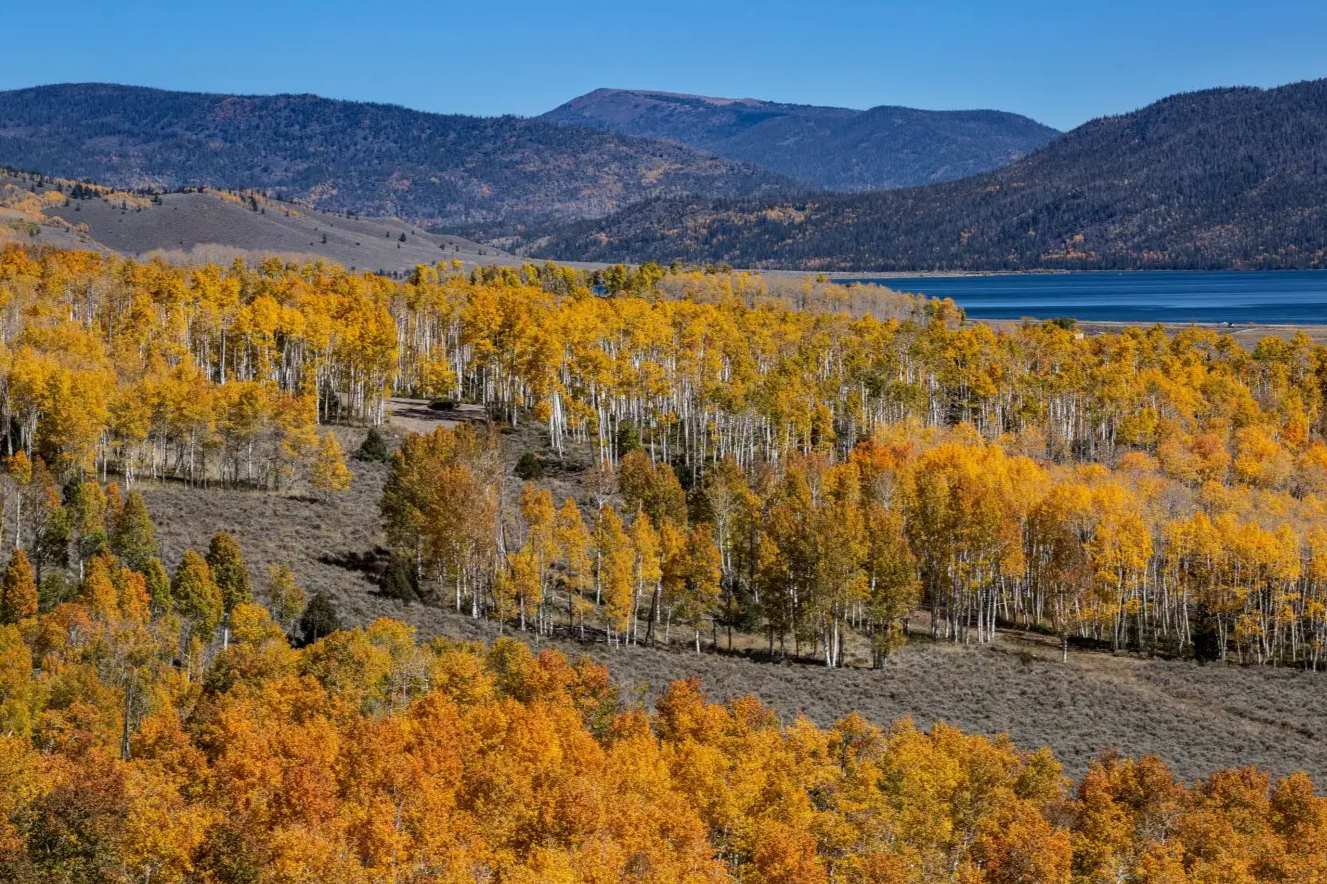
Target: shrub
{"points": [[374, 448], [320, 618], [628, 439], [400, 582], [530, 468]]}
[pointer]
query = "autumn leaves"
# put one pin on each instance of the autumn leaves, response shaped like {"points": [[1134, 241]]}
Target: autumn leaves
{"points": [[368, 756], [1135, 490]]}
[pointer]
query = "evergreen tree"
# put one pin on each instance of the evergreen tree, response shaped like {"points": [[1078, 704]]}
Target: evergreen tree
{"points": [[401, 581], [196, 594], [133, 537], [374, 448], [320, 618], [229, 571]]}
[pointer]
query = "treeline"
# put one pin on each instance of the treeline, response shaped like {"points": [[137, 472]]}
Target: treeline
{"points": [[132, 749], [819, 550]]}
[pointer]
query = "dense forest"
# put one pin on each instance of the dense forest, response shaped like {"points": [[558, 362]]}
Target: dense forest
{"points": [[1227, 178], [779, 456], [833, 148], [788, 458], [372, 159], [133, 750]]}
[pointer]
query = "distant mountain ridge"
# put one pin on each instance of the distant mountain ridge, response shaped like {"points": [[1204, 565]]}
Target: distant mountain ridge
{"points": [[832, 148], [373, 159], [1215, 179]]}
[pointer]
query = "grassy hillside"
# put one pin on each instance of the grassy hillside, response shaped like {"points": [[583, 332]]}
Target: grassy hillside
{"points": [[373, 159], [216, 226], [825, 147], [1215, 179]]}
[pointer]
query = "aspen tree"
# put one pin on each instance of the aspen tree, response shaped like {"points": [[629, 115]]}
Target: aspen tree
{"points": [[18, 590], [330, 473]]}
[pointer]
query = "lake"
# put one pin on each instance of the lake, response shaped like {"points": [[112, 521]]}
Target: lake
{"points": [[1143, 297]]}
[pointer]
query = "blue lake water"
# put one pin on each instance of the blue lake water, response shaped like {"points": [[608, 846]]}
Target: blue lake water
{"points": [[1143, 297]]}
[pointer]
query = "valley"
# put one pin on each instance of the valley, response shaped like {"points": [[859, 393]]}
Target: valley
{"points": [[1195, 718], [664, 488]]}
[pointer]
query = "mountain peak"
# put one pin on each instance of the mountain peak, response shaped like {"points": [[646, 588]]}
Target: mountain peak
{"points": [[827, 147], [605, 93]]}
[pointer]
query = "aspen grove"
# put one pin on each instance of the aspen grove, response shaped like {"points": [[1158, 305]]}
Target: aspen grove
{"points": [[796, 459]]}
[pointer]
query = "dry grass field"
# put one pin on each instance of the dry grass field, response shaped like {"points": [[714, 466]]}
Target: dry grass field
{"points": [[1196, 718]]}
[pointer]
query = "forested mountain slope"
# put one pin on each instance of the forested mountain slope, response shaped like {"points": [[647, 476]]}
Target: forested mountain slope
{"points": [[347, 156], [1221, 178], [833, 148]]}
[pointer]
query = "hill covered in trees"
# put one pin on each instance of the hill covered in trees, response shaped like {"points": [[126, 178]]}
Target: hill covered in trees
{"points": [[1225, 178], [786, 459], [372, 159], [806, 474], [369, 756], [824, 147]]}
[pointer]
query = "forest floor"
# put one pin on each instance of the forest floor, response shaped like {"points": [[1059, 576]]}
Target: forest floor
{"points": [[1196, 718]]}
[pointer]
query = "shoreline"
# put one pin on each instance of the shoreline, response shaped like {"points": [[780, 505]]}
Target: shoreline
{"points": [[851, 275], [1247, 334]]}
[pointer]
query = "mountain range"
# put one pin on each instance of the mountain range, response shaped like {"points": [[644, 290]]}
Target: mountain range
{"points": [[371, 159], [1223, 178], [595, 155], [831, 148]]}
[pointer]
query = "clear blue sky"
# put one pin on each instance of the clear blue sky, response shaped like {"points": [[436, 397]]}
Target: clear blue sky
{"points": [[1059, 62]]}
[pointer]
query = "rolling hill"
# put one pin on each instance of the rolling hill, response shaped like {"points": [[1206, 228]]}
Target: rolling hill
{"points": [[832, 148], [1224, 178], [370, 159], [216, 226]]}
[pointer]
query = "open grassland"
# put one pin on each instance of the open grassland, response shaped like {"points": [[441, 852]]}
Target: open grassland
{"points": [[1196, 718]]}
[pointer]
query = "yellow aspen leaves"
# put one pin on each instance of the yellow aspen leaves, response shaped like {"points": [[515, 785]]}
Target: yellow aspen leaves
{"points": [[330, 473]]}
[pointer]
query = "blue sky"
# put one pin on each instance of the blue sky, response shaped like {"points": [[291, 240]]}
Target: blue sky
{"points": [[1062, 63]]}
